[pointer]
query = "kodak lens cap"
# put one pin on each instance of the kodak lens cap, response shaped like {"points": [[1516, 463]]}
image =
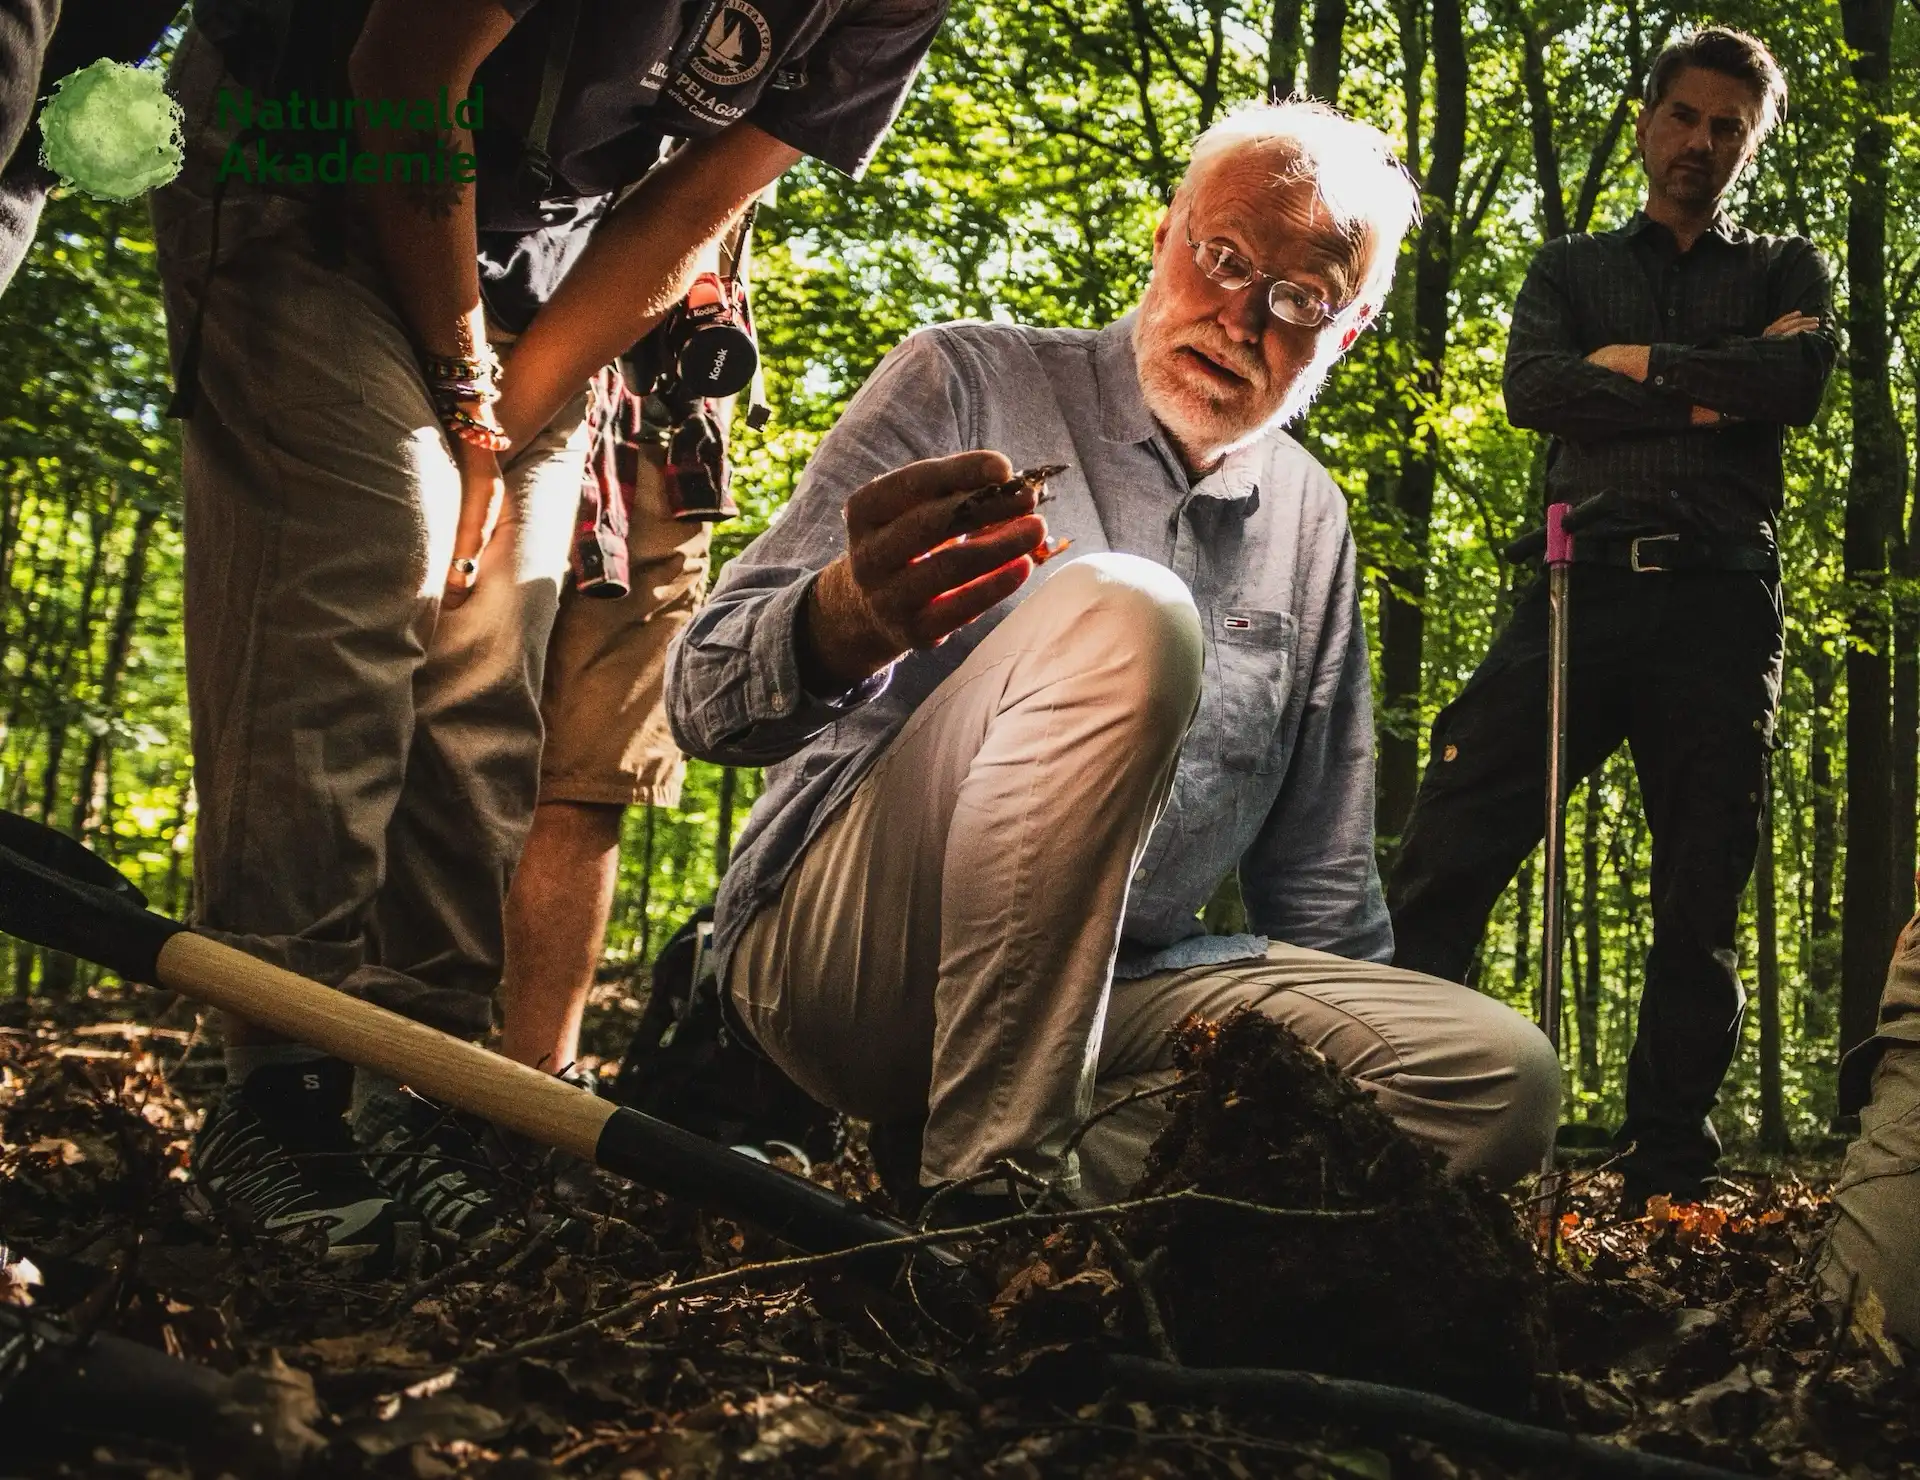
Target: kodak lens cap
{"points": [[718, 360]]}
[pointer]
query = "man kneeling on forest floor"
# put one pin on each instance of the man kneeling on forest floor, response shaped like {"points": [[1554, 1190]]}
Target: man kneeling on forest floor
{"points": [[965, 908]]}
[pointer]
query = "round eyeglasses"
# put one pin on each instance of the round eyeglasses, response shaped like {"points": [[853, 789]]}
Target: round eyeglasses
{"points": [[1224, 264]]}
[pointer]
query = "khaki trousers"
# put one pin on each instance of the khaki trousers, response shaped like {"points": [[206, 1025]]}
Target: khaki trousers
{"points": [[1874, 1242], [945, 946], [365, 761]]}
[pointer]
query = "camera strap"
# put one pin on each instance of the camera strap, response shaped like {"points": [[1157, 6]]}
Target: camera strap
{"points": [[539, 163]]}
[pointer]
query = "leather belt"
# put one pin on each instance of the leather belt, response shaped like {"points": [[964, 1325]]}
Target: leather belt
{"points": [[1648, 553]]}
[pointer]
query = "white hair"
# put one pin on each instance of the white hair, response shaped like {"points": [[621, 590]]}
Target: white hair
{"points": [[1371, 198]]}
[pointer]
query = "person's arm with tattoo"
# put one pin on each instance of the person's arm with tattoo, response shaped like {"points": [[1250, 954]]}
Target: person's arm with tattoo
{"points": [[427, 236]]}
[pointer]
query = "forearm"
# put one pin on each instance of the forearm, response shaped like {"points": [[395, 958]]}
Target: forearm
{"points": [[1567, 396], [639, 263], [735, 694], [1779, 379], [425, 231]]}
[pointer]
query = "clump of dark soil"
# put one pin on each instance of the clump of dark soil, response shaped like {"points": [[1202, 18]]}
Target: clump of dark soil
{"points": [[1438, 1288]]}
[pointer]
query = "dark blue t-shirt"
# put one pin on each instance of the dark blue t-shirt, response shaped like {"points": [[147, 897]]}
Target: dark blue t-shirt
{"points": [[826, 76]]}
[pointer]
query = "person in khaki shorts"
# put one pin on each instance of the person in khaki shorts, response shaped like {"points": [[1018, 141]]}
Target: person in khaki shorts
{"points": [[608, 747], [1873, 1244], [964, 909], [378, 518]]}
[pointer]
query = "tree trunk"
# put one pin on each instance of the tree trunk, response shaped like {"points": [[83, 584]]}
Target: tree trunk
{"points": [[178, 842], [1523, 934], [646, 890], [1323, 54], [86, 802], [77, 643], [1546, 156], [1823, 849], [1283, 49], [1587, 986], [1872, 496], [1402, 621], [1773, 1111], [723, 839]]}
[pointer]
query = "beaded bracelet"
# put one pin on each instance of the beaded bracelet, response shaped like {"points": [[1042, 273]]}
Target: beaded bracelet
{"points": [[447, 393], [452, 367], [451, 379], [469, 428]]}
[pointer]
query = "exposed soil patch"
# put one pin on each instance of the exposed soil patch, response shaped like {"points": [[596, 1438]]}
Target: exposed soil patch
{"points": [[1438, 1289]]}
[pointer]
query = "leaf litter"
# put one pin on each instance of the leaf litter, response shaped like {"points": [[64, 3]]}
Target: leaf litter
{"points": [[1692, 1333]]}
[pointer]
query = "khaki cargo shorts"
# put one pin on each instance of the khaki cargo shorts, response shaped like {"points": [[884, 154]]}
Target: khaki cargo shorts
{"points": [[603, 703]]}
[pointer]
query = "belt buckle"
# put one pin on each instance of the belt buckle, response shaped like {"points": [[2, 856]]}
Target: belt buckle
{"points": [[1633, 552]]}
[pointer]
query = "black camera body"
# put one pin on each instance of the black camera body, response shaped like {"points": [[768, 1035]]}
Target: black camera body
{"points": [[700, 353], [703, 349]]}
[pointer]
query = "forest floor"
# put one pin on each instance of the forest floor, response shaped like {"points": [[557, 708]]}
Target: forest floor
{"points": [[1693, 1335]]}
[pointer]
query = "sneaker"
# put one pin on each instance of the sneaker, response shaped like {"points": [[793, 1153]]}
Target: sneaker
{"points": [[434, 1160], [276, 1149]]}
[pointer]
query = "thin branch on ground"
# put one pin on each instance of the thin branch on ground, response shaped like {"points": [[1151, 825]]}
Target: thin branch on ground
{"points": [[1141, 1284], [805, 1263], [1404, 1411]]}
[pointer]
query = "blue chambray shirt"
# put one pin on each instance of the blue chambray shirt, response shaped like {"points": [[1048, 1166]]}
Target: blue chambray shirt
{"points": [[1276, 774]]}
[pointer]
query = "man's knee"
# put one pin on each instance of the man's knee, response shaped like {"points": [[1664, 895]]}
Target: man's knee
{"points": [[1525, 1129], [1136, 613]]}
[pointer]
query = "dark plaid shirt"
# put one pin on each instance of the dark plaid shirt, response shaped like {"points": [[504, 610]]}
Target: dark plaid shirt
{"points": [[1631, 445]]}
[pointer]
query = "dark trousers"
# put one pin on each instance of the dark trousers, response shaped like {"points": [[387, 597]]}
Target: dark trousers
{"points": [[1685, 667]]}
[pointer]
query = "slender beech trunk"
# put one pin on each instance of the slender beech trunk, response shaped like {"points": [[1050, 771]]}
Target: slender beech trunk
{"points": [[177, 843], [646, 890], [1402, 621], [1323, 52], [13, 503], [1546, 156], [1283, 49], [1773, 1112], [77, 642], [1523, 935], [1586, 1004], [1872, 496], [723, 839], [87, 803], [1824, 844]]}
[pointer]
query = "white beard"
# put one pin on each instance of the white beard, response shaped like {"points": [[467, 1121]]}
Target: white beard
{"points": [[1186, 406]]}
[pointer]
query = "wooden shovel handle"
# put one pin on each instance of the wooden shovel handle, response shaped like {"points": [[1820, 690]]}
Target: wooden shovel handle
{"points": [[445, 1068]]}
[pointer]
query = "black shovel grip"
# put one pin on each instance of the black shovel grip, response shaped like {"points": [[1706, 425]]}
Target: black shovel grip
{"points": [[661, 1155], [54, 893]]}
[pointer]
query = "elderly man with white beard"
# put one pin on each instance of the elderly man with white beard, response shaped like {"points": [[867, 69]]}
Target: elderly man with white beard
{"points": [[1001, 787]]}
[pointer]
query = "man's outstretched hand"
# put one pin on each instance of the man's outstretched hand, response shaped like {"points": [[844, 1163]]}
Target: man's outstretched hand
{"points": [[905, 581]]}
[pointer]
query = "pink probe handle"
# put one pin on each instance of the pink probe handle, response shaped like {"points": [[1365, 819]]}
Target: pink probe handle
{"points": [[1559, 542]]}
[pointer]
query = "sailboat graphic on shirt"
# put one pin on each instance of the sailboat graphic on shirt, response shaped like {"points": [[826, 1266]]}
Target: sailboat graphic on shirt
{"points": [[724, 41], [735, 47]]}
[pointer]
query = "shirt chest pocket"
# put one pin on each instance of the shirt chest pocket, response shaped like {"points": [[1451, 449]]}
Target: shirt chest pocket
{"points": [[1251, 653]]}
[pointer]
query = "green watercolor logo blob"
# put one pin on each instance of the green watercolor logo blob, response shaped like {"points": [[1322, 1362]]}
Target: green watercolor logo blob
{"points": [[112, 131]]}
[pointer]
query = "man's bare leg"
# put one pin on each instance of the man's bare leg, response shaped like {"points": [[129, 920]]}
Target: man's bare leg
{"points": [[556, 924]]}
